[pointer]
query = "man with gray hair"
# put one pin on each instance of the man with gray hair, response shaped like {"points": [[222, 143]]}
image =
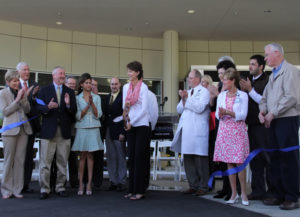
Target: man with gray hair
{"points": [[279, 110], [191, 137], [58, 113], [24, 72]]}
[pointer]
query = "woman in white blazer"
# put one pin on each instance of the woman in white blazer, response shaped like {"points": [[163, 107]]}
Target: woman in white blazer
{"points": [[232, 143], [136, 117], [14, 106]]}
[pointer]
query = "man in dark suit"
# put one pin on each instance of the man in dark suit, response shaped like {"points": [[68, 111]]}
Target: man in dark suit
{"points": [[73, 168], [260, 165], [115, 139], [57, 117], [24, 72]]}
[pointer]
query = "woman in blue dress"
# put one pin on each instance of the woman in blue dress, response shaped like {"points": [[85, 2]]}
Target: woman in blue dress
{"points": [[87, 139]]}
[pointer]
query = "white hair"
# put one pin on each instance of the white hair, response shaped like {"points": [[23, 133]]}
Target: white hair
{"points": [[223, 58], [55, 68], [20, 64], [275, 47]]}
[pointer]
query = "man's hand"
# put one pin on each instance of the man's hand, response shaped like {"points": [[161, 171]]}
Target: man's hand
{"points": [[35, 90], [245, 85], [121, 138], [261, 117], [52, 104], [183, 94], [67, 99], [213, 91], [268, 119], [27, 92]]}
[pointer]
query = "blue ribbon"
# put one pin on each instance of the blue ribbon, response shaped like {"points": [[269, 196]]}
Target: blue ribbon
{"points": [[13, 125], [247, 161], [39, 101]]}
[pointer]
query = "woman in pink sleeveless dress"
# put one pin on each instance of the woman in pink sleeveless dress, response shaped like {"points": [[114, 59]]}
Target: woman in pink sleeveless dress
{"points": [[232, 143]]}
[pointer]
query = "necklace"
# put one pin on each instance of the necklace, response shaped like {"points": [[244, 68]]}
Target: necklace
{"points": [[232, 94]]}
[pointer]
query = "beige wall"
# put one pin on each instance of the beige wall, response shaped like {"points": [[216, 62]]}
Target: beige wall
{"points": [[99, 54], [107, 55], [197, 52]]}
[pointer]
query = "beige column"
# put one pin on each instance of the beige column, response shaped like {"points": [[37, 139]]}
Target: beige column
{"points": [[171, 67]]}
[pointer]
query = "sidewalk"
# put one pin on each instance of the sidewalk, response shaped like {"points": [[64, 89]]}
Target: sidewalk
{"points": [[168, 184]]}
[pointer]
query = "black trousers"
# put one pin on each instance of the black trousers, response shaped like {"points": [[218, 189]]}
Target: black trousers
{"points": [[139, 159], [73, 167], [260, 165], [28, 164], [284, 165]]}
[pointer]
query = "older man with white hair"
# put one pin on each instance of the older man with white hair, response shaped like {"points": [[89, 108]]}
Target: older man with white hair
{"points": [[279, 110], [58, 113], [24, 72], [191, 138]]}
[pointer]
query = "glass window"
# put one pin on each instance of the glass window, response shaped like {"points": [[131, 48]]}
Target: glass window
{"points": [[2, 77]]}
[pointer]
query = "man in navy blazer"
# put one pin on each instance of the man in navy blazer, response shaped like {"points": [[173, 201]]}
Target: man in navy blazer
{"points": [[57, 115]]}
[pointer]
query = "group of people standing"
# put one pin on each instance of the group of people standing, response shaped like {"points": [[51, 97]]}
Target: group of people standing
{"points": [[257, 112], [68, 122]]}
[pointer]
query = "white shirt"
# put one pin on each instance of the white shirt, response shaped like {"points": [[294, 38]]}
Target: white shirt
{"points": [[253, 94], [138, 113], [153, 109], [22, 82]]}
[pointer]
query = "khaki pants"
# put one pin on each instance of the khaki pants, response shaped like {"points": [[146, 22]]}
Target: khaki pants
{"points": [[49, 147], [14, 157]]}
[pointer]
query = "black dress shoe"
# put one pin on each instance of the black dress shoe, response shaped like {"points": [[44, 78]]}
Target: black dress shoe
{"points": [[254, 197], [272, 201], [220, 194], [62, 194], [44, 196], [189, 191], [112, 187], [27, 190], [121, 188], [227, 197], [74, 184], [289, 205]]}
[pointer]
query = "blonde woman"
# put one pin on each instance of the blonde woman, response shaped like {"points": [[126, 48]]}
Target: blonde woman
{"points": [[232, 144], [14, 106]]}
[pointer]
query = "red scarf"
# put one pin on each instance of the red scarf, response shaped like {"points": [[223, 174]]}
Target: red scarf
{"points": [[133, 93]]}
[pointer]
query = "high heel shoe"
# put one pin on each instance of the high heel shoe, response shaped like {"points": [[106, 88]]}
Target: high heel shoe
{"points": [[245, 202], [233, 200], [80, 191], [88, 193]]}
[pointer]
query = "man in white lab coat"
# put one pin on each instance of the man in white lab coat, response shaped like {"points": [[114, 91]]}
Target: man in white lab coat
{"points": [[191, 138]]}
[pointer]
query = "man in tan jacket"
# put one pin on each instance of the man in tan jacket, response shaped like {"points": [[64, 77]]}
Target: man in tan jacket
{"points": [[279, 110]]}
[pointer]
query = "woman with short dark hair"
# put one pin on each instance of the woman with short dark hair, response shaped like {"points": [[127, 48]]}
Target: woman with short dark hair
{"points": [[135, 94]]}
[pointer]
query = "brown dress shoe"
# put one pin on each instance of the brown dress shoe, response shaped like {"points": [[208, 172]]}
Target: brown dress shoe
{"points": [[200, 193], [189, 191], [289, 205], [272, 201]]}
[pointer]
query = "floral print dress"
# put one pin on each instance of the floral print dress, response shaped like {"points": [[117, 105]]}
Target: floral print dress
{"points": [[232, 143]]}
